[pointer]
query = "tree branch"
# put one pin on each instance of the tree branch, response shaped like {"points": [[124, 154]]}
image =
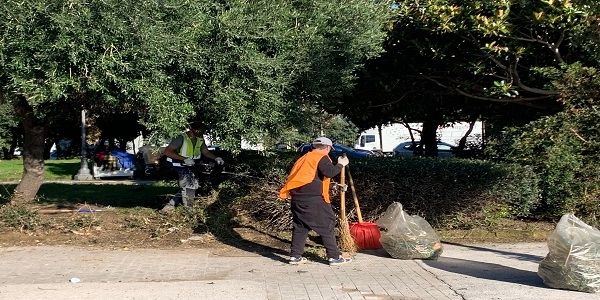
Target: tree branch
{"points": [[556, 45], [522, 100], [527, 88], [389, 103], [514, 73], [552, 46], [497, 62], [505, 100]]}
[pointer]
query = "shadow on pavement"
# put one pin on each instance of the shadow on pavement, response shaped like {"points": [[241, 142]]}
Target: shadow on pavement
{"points": [[518, 256], [219, 222], [377, 252], [232, 237], [482, 270], [486, 271]]}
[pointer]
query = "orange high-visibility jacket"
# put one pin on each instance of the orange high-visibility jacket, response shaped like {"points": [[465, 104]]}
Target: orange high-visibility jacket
{"points": [[303, 172]]}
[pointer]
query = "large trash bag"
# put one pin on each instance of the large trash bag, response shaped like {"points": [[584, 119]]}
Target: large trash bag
{"points": [[573, 261], [407, 237]]}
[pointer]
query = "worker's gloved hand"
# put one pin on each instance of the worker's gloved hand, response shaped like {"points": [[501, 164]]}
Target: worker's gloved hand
{"points": [[189, 162], [344, 161], [219, 161]]}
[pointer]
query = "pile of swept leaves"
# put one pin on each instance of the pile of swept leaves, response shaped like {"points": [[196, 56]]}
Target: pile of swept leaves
{"points": [[450, 193]]}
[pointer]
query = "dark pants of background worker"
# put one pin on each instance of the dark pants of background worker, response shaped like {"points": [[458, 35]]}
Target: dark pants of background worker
{"points": [[317, 215], [188, 184]]}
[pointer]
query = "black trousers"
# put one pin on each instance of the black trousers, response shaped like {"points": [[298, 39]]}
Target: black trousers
{"points": [[317, 215]]}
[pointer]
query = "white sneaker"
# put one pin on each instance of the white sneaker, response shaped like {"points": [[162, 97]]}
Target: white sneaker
{"points": [[297, 260], [339, 261]]}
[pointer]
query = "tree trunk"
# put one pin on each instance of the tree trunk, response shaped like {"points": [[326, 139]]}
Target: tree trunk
{"points": [[410, 132], [380, 137], [463, 140], [429, 138], [33, 156]]}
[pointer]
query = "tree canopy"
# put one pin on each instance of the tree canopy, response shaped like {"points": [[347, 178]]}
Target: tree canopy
{"points": [[240, 67], [456, 60]]}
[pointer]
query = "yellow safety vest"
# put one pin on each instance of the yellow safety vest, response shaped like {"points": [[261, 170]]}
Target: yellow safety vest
{"points": [[189, 150]]}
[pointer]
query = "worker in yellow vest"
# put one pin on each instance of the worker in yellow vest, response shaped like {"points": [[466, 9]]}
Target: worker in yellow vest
{"points": [[183, 152]]}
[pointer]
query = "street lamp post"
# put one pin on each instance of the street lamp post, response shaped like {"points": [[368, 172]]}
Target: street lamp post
{"points": [[84, 171]]}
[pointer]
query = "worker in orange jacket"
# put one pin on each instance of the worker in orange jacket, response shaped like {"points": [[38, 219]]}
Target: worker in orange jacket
{"points": [[308, 187]]}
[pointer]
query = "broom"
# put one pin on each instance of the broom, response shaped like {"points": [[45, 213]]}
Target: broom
{"points": [[346, 240], [366, 235]]}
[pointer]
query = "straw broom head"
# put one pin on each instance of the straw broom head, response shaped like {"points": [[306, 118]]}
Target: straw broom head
{"points": [[346, 240]]}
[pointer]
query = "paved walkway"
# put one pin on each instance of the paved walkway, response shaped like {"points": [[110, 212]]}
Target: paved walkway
{"points": [[490, 271]]}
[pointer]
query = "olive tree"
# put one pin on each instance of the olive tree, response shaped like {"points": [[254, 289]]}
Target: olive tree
{"points": [[242, 68]]}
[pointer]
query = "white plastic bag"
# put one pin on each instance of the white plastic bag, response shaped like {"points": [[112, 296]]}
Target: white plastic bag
{"points": [[573, 261], [407, 237]]}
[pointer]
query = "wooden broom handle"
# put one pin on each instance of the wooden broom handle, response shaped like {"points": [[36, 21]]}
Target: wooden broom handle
{"points": [[360, 219], [343, 193]]}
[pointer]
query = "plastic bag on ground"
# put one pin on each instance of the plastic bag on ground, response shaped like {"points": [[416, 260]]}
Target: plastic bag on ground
{"points": [[407, 237], [573, 261]]}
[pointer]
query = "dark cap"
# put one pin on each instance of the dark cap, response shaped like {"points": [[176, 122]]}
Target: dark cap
{"points": [[195, 125]]}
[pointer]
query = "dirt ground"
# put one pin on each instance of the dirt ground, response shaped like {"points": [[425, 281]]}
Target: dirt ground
{"points": [[120, 230]]}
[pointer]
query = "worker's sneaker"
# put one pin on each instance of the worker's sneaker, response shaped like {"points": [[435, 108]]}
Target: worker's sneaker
{"points": [[339, 261], [297, 260]]}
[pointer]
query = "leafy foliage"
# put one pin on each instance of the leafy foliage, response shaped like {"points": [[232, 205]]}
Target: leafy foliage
{"points": [[509, 38], [459, 60], [437, 189], [8, 122], [563, 148], [315, 124], [249, 66], [239, 67], [19, 217], [219, 60]]}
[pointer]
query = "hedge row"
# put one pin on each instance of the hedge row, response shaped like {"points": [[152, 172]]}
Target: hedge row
{"points": [[446, 192]]}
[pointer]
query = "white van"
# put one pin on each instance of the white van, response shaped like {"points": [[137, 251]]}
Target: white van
{"points": [[396, 133]]}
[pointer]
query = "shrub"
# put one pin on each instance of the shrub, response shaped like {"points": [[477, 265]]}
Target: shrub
{"points": [[264, 175], [19, 217], [437, 189], [563, 150]]}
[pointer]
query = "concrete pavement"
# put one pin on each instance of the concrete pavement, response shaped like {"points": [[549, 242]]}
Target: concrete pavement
{"points": [[483, 271]]}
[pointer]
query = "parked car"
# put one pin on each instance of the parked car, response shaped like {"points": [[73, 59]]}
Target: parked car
{"points": [[369, 152], [337, 151], [409, 148]]}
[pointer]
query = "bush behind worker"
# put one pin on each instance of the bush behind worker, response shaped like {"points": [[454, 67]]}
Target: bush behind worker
{"points": [[183, 152], [308, 186]]}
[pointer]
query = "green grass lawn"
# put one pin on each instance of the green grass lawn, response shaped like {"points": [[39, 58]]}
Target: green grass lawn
{"points": [[64, 169], [151, 194]]}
